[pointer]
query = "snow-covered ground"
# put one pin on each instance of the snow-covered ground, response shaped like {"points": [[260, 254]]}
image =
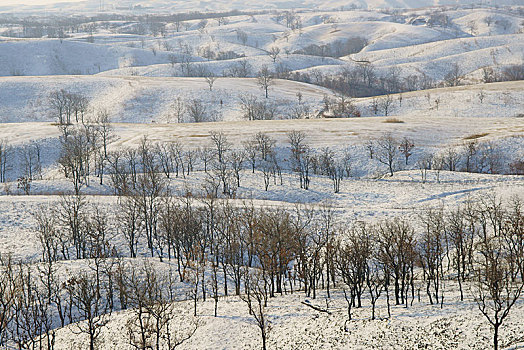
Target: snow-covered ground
{"points": [[297, 326], [145, 100]]}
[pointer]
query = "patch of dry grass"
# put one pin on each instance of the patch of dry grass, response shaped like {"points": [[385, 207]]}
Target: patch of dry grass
{"points": [[476, 136], [392, 121]]}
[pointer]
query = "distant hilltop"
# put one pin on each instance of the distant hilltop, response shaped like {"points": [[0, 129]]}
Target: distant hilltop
{"points": [[89, 6]]}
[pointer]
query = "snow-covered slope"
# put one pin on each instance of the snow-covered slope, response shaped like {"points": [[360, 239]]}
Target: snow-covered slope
{"points": [[469, 40], [55, 57], [143, 100], [437, 59]]}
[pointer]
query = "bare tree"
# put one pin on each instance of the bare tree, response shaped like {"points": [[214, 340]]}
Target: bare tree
{"points": [[148, 190], [79, 106], [265, 145], [481, 95], [31, 161], [5, 152], [424, 164], [92, 311], [74, 158], [130, 222], [242, 36], [71, 217], [210, 79], [104, 129], [301, 156], [375, 105], [338, 170], [197, 111], [9, 289], [221, 144], [454, 76], [406, 147], [58, 101], [470, 150], [178, 22], [273, 53], [206, 155], [432, 251], [461, 234], [251, 153], [386, 102], [386, 151], [224, 174], [240, 69], [236, 160], [254, 109], [370, 147], [451, 158], [265, 79], [353, 261], [437, 164], [494, 290], [256, 300], [173, 59], [179, 108], [396, 251]]}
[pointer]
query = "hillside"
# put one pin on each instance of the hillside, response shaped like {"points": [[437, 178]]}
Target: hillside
{"points": [[390, 42], [143, 100]]}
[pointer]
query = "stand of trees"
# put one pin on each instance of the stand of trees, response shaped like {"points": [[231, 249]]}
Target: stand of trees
{"points": [[85, 153], [259, 252]]}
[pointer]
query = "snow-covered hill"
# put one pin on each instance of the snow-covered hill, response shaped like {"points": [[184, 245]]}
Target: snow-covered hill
{"points": [[145, 100], [473, 39], [55, 57]]}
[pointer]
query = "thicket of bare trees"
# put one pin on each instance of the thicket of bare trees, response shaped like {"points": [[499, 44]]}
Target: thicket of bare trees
{"points": [[66, 105], [337, 49], [259, 252], [36, 300], [84, 153], [256, 252], [292, 250]]}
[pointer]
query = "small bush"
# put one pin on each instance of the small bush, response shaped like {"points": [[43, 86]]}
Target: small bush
{"points": [[517, 167], [393, 121], [476, 136]]}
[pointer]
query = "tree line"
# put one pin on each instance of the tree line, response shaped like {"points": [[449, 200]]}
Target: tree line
{"points": [[85, 154]]}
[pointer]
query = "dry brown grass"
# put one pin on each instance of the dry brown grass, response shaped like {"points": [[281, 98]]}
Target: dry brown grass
{"points": [[197, 135], [392, 121], [476, 136]]}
